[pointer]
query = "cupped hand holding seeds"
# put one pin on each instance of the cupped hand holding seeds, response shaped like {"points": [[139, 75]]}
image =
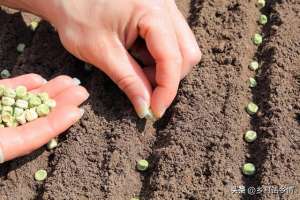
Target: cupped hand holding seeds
{"points": [[101, 32], [23, 139]]}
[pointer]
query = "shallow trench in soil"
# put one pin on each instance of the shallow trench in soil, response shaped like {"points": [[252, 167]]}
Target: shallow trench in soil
{"points": [[196, 150]]}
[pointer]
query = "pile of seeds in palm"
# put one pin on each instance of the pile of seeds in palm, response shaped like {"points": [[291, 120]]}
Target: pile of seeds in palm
{"points": [[18, 106]]}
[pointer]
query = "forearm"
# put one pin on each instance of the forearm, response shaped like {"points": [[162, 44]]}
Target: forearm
{"points": [[41, 8]]}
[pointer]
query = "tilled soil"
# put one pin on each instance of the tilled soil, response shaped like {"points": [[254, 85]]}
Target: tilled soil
{"points": [[197, 149]]}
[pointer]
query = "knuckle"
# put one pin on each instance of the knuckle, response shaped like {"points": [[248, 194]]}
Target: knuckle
{"points": [[193, 57], [126, 82]]}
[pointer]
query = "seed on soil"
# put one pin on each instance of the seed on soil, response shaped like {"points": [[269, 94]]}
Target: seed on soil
{"points": [[252, 82], [263, 19], [21, 47], [261, 3], [142, 165], [52, 144], [40, 175], [33, 25], [252, 108], [5, 74], [254, 65], [248, 169], [250, 136], [257, 39]]}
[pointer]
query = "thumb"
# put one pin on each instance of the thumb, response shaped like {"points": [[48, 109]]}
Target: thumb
{"points": [[121, 67]]}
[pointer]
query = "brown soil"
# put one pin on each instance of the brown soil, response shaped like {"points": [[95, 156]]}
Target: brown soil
{"points": [[197, 149]]}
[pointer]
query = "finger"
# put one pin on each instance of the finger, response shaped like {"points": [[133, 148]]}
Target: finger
{"points": [[30, 81], [150, 73], [15, 142], [187, 42], [56, 85], [127, 74], [161, 41], [74, 95]]}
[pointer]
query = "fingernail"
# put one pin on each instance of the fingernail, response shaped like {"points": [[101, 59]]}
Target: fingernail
{"points": [[161, 113], [1, 156], [76, 81], [81, 112], [142, 107], [45, 81]]}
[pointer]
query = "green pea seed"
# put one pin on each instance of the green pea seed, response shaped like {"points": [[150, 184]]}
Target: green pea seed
{"points": [[250, 136], [5, 74], [34, 101], [2, 89], [252, 82], [31, 114], [21, 103], [8, 101], [261, 3], [248, 169], [40, 175], [7, 109], [254, 65], [21, 92], [21, 119], [252, 108], [263, 19], [142, 165], [150, 116], [6, 117], [42, 110], [12, 123], [50, 103], [21, 47], [43, 96], [18, 111], [52, 144], [8, 92], [33, 25], [257, 39]]}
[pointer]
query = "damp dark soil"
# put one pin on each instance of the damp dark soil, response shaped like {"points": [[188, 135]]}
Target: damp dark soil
{"points": [[197, 149]]}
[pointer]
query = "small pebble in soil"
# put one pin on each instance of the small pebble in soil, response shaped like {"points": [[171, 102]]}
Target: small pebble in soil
{"points": [[142, 165], [257, 39], [5, 74], [52, 144], [40, 175], [21, 47], [33, 25], [248, 169], [263, 19], [254, 65], [252, 82], [88, 67], [252, 108], [261, 3], [250, 136]]}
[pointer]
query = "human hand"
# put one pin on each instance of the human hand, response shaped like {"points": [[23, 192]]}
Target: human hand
{"points": [[101, 32], [22, 140]]}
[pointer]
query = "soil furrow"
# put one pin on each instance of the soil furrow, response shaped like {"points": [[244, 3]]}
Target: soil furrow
{"points": [[277, 149], [195, 162]]}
